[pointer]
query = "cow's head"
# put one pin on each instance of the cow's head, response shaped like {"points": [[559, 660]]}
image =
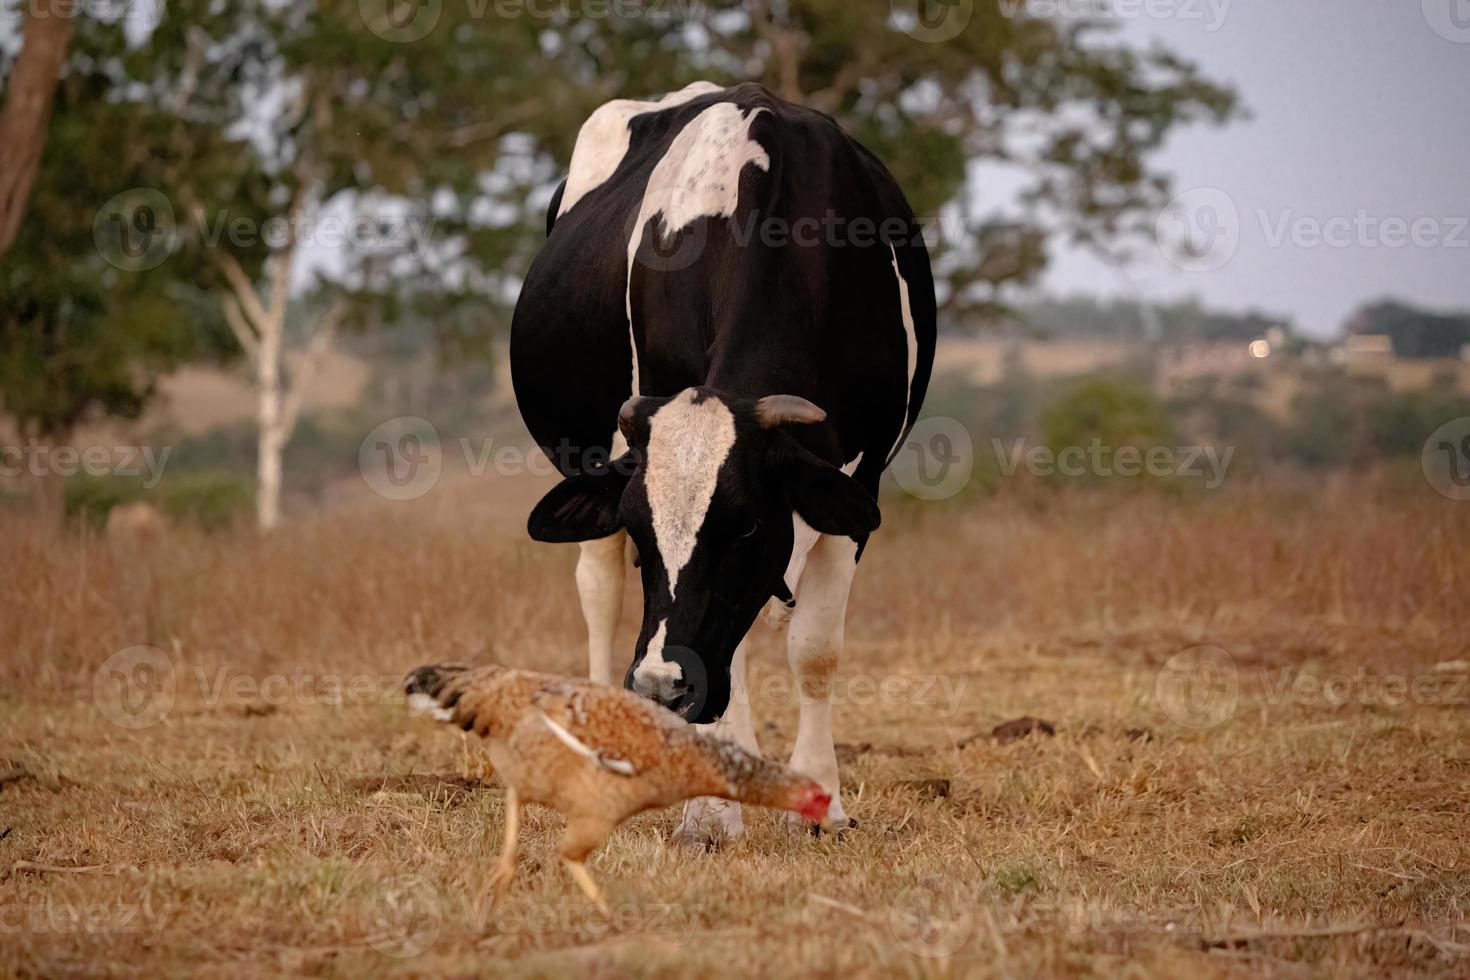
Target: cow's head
{"points": [[706, 491]]}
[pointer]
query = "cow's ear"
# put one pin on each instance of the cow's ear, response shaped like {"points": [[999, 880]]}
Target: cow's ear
{"points": [[580, 508], [828, 499]]}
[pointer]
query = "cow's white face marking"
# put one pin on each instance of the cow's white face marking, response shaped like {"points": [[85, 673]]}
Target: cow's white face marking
{"points": [[603, 141], [913, 342], [654, 667], [688, 442], [699, 177]]}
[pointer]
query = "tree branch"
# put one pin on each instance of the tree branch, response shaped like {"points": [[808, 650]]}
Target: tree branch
{"points": [[786, 48], [244, 333], [316, 351], [243, 288]]}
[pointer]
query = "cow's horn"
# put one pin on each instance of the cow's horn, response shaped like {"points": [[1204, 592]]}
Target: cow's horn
{"points": [[627, 415], [773, 410]]}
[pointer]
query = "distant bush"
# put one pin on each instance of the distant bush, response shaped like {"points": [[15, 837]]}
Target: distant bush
{"points": [[208, 499], [211, 500], [1106, 410], [90, 499], [1340, 420], [1400, 424]]}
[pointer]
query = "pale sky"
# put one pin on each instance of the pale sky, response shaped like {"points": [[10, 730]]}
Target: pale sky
{"points": [[1361, 113]]}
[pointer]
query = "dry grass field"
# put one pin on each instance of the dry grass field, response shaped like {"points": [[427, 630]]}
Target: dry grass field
{"points": [[1260, 766]]}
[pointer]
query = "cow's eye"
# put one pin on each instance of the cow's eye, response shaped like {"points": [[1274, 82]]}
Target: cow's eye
{"points": [[755, 526]]}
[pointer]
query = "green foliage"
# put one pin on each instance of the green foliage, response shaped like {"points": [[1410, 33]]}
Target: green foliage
{"points": [[211, 500], [251, 112], [90, 499], [1224, 412], [208, 499], [1016, 878], [1342, 420], [1108, 411], [78, 335]]}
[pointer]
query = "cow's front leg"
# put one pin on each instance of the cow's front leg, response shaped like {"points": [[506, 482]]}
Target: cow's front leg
{"points": [[813, 647], [708, 821], [600, 573]]}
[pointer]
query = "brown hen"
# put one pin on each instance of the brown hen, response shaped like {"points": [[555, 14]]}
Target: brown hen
{"points": [[596, 754]]}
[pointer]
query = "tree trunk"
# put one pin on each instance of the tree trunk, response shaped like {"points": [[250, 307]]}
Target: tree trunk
{"points": [[27, 110], [271, 440]]}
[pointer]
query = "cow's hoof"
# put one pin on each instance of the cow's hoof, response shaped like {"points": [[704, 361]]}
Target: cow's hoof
{"points": [[709, 824]]}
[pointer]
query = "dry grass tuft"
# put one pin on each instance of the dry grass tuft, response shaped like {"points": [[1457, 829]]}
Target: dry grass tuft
{"points": [[1236, 786]]}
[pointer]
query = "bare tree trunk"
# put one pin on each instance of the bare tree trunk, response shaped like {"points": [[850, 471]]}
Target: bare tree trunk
{"points": [[261, 330], [271, 438], [27, 110]]}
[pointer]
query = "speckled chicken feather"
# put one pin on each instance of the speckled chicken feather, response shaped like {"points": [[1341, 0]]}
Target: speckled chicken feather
{"points": [[616, 754]]}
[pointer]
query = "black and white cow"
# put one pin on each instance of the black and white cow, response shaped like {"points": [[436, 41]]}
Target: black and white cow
{"points": [[735, 306]]}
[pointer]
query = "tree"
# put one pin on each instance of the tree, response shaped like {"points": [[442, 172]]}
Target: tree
{"points": [[987, 85], [27, 109], [1415, 333], [265, 119], [87, 325]]}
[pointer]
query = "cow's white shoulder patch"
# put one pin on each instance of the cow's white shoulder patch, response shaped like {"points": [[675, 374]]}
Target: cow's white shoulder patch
{"points": [[604, 139], [688, 442], [699, 177], [913, 342]]}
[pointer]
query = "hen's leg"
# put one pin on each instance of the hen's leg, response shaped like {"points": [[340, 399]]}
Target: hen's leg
{"points": [[708, 821], [813, 647], [505, 867], [584, 881], [583, 836], [600, 574]]}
